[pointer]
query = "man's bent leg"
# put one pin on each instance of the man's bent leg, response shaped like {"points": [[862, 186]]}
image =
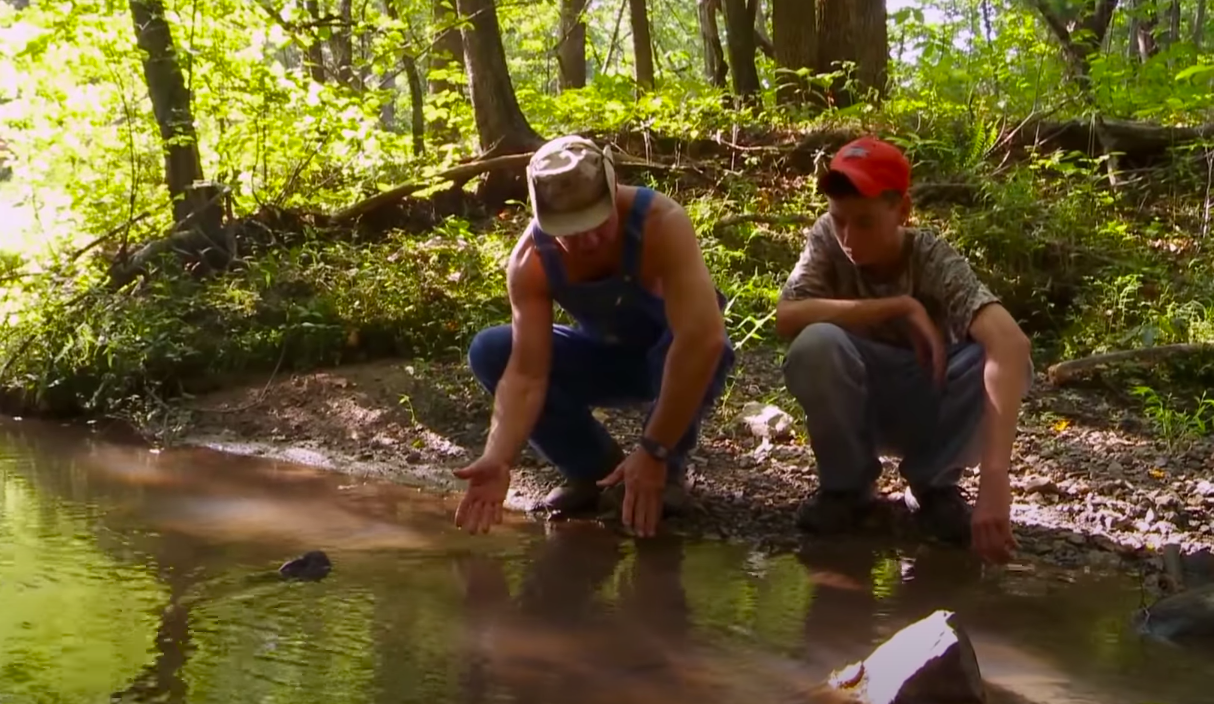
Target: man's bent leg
{"points": [[585, 372], [675, 498], [826, 374]]}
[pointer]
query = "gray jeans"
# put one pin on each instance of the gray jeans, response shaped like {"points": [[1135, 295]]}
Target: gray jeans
{"points": [[863, 399]]}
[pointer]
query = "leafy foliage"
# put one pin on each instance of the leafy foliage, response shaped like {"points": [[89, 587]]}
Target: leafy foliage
{"points": [[1087, 268]]}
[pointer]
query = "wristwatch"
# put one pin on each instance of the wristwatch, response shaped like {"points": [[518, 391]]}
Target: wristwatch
{"points": [[656, 450]]}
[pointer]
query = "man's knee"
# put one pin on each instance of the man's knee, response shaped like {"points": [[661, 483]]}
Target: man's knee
{"points": [[489, 354], [820, 353]]}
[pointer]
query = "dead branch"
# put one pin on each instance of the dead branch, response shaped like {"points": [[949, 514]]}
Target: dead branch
{"points": [[1064, 372]]}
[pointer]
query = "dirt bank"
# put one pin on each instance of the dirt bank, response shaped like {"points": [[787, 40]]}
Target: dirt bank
{"points": [[1093, 488]]}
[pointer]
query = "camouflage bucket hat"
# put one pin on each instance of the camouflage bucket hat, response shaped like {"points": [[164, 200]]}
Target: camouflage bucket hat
{"points": [[572, 186]]}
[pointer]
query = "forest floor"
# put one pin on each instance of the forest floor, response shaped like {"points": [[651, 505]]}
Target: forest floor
{"points": [[1093, 488]]}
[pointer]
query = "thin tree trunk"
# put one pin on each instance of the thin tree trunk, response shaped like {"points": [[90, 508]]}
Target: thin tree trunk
{"points": [[448, 51], [571, 50], [417, 103], [1174, 22], [341, 43], [1080, 32], [170, 103], [715, 68], [740, 23], [762, 39], [1199, 24], [642, 45], [316, 53]]}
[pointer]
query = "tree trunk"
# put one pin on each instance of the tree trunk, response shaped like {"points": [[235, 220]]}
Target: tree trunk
{"points": [[762, 38], [642, 45], [316, 52], [500, 123], [341, 44], [740, 24], [855, 31], [794, 34], [1199, 24], [448, 50], [1080, 29], [416, 97], [416, 103], [170, 103], [715, 68], [1143, 21], [571, 50], [1174, 22]]}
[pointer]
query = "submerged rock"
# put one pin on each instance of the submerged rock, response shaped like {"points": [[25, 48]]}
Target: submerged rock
{"points": [[311, 566], [1183, 616], [930, 661]]}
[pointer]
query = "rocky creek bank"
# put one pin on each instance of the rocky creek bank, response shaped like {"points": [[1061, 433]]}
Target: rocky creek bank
{"points": [[1093, 488]]}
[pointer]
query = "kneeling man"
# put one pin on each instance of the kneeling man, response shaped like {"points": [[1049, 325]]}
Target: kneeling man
{"points": [[623, 262], [897, 348]]}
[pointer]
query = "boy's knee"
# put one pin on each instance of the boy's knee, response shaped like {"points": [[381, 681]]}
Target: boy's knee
{"points": [[820, 352], [489, 354]]}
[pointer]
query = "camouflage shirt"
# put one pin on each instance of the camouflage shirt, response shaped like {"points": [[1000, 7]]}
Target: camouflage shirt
{"points": [[936, 275]]}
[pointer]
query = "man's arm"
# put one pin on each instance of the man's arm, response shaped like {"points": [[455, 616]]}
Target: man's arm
{"points": [[1008, 355], [520, 393], [697, 324], [807, 294]]}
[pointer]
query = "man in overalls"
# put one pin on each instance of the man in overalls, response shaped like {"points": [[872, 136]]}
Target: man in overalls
{"points": [[624, 262]]}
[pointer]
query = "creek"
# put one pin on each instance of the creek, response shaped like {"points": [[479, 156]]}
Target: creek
{"points": [[133, 575]]}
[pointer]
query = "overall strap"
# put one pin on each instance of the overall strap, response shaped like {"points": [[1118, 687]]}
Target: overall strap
{"points": [[549, 257], [635, 232]]}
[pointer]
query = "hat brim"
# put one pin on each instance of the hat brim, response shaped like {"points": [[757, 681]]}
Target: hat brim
{"points": [[864, 183], [581, 221]]}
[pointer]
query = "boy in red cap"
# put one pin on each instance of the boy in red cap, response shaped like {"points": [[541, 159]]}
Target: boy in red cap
{"points": [[898, 348]]}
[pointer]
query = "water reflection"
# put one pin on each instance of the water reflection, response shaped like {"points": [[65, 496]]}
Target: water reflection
{"points": [[145, 576]]}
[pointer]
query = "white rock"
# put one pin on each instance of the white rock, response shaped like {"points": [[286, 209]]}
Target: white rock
{"points": [[766, 421]]}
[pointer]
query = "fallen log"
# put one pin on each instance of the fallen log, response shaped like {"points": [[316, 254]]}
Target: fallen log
{"points": [[1063, 372], [459, 175], [1138, 141]]}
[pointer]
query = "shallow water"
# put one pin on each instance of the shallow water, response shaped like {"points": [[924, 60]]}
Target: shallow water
{"points": [[131, 573]]}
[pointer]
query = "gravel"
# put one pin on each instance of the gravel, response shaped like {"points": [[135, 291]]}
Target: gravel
{"points": [[1093, 489]]}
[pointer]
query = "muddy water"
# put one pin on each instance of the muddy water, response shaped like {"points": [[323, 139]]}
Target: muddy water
{"points": [[138, 576]]}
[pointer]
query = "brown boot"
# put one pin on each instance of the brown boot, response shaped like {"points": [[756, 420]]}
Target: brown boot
{"points": [[582, 495], [574, 496]]}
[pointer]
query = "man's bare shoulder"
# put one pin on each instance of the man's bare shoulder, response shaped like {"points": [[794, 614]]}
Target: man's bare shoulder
{"points": [[525, 275]]}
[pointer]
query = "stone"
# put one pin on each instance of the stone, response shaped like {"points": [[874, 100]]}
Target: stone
{"points": [[931, 661], [1183, 616], [312, 566], [766, 421]]}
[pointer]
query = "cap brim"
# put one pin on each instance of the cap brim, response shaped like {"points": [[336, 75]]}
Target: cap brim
{"points": [[570, 224], [865, 184]]}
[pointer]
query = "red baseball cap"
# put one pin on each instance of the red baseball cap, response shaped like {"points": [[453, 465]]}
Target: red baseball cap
{"points": [[873, 166]]}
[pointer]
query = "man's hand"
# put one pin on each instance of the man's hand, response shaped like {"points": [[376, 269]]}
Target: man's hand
{"points": [[992, 521], [644, 481], [488, 479], [928, 341]]}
